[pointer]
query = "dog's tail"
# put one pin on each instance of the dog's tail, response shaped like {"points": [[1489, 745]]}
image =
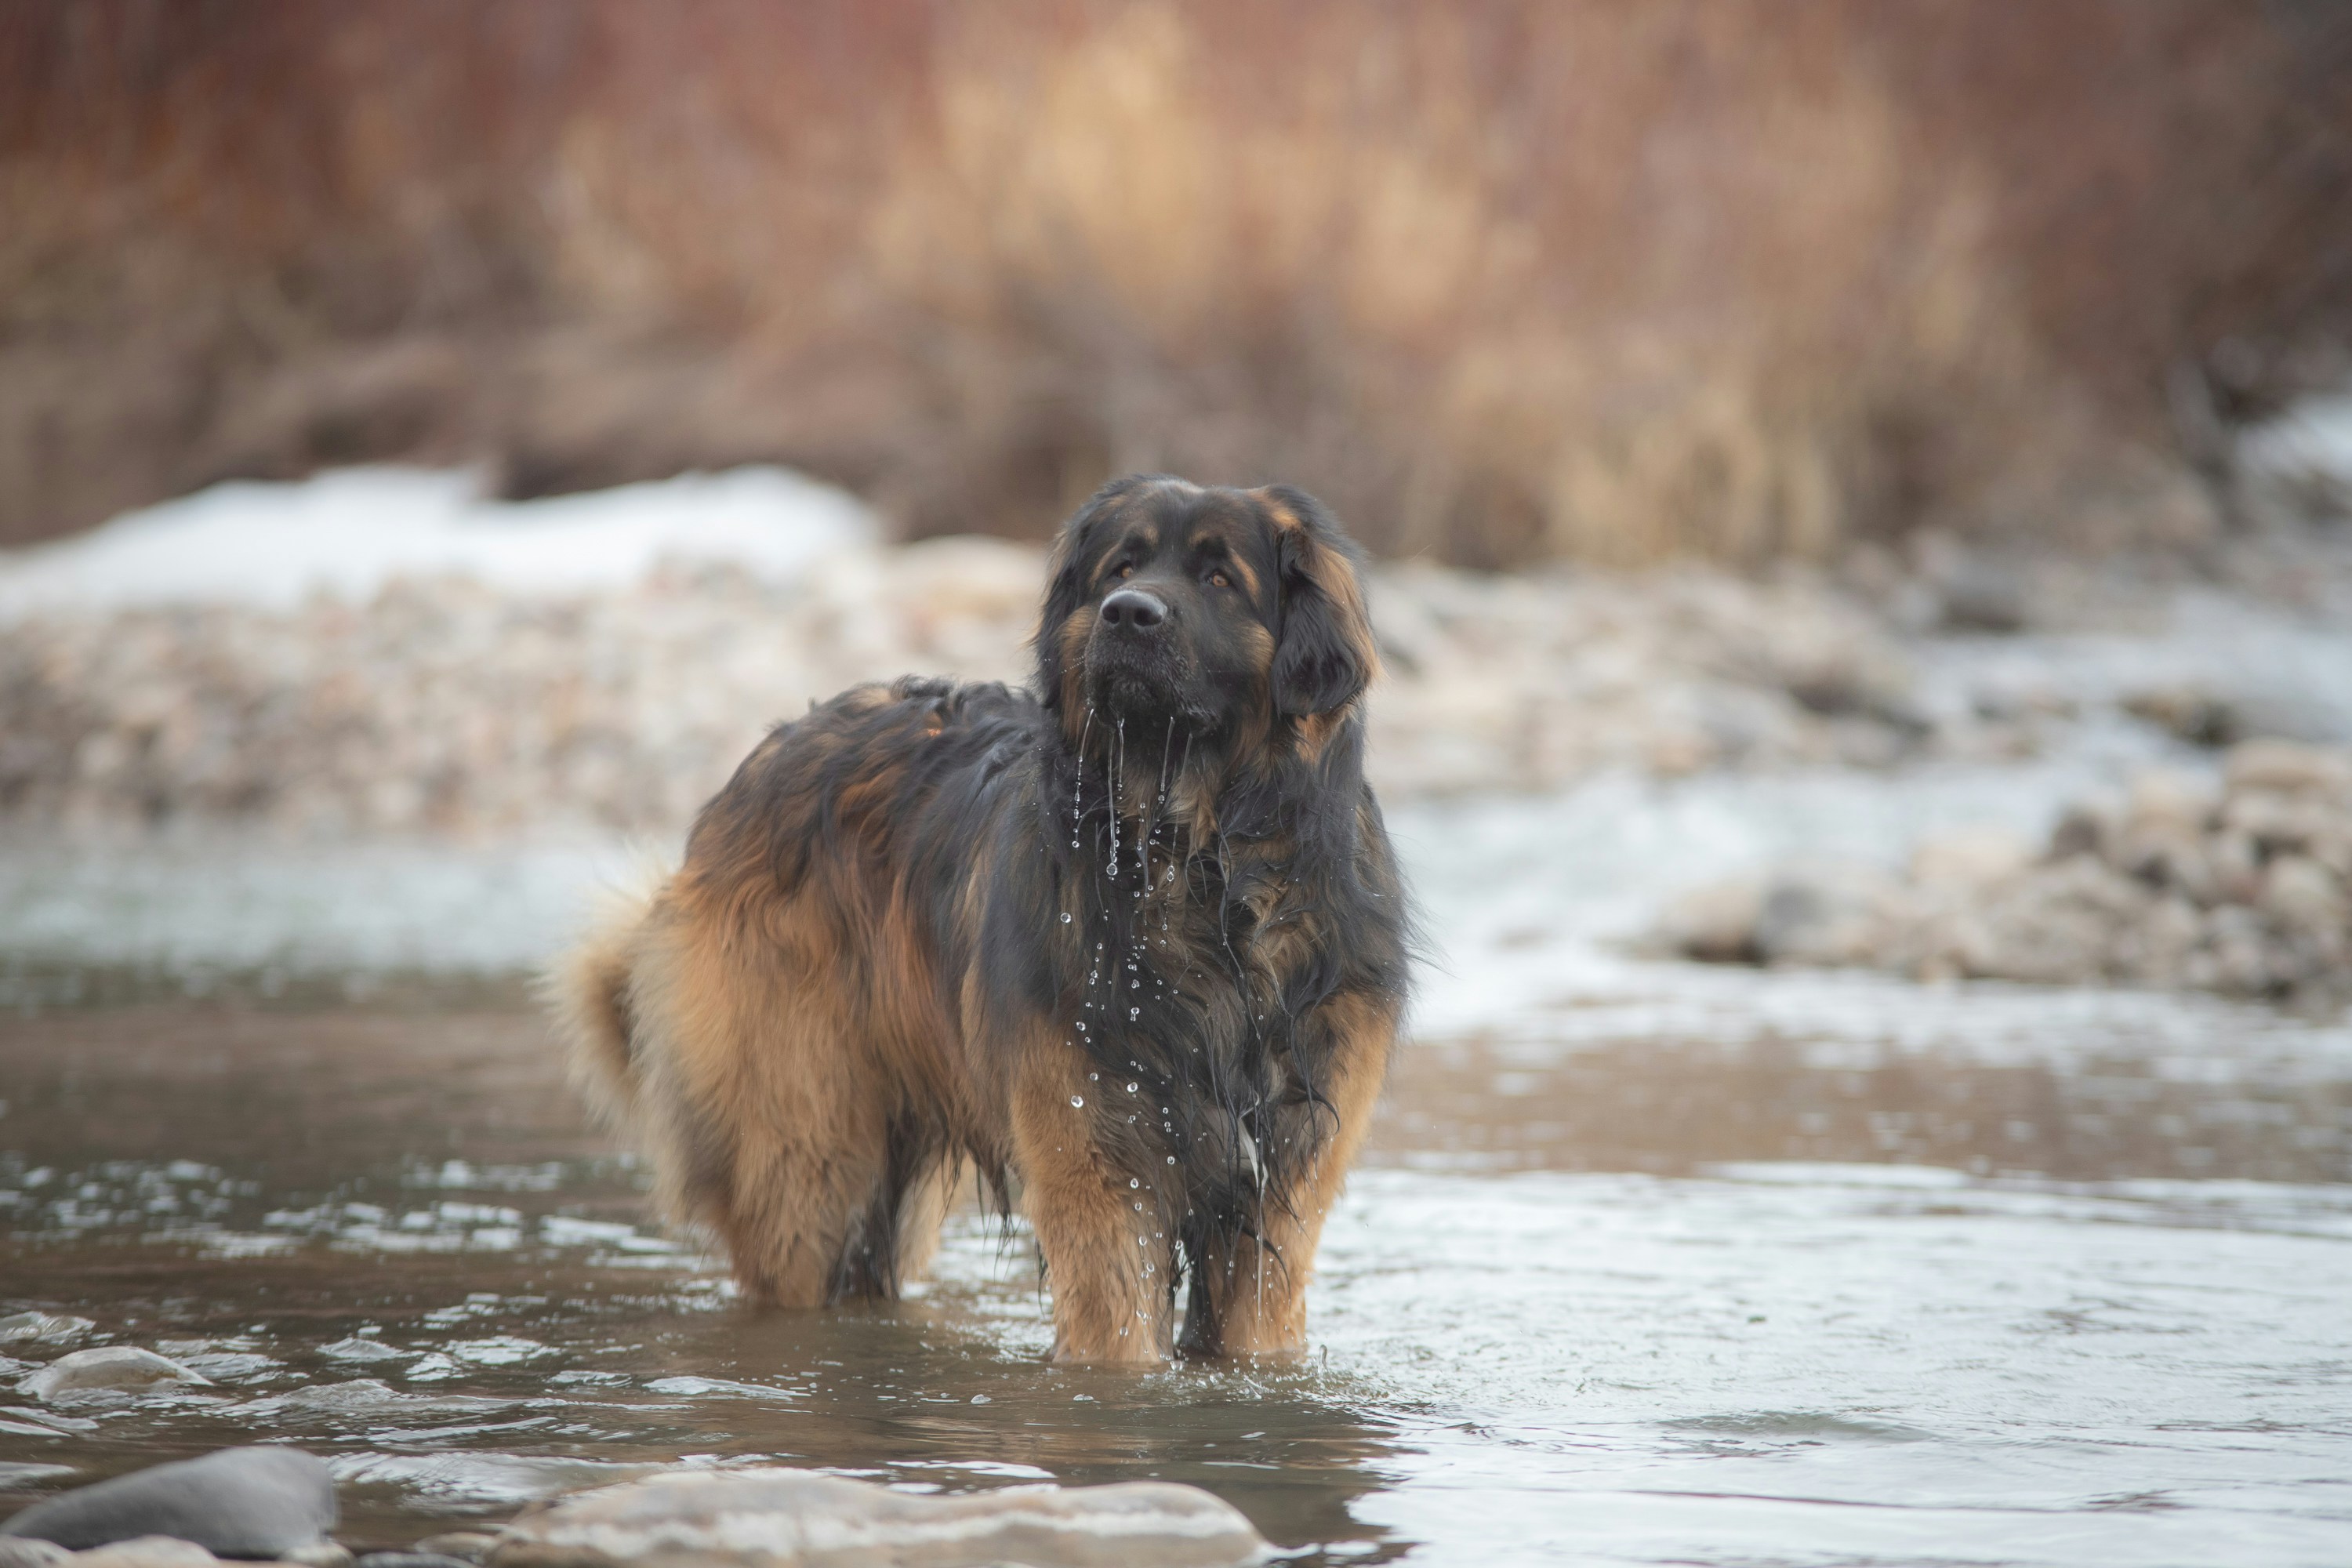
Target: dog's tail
{"points": [[587, 991]]}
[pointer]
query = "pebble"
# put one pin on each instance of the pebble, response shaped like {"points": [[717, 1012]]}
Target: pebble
{"points": [[253, 1502], [412, 1560], [472, 1545], [2243, 887], [797, 1519], [119, 1367]]}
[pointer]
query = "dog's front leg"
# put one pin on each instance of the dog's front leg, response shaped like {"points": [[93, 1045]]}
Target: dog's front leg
{"points": [[1252, 1299], [1106, 1242]]}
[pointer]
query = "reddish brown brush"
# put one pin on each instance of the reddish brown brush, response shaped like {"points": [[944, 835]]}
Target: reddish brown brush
{"points": [[1503, 281]]}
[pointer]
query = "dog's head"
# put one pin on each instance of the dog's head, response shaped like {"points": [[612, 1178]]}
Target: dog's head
{"points": [[1217, 610]]}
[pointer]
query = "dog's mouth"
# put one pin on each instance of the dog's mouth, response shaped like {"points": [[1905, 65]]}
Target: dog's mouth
{"points": [[1131, 681]]}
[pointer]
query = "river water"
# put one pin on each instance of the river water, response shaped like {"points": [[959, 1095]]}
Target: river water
{"points": [[1648, 1263]]}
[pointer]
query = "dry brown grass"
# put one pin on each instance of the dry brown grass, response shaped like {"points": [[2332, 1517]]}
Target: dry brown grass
{"points": [[1503, 281]]}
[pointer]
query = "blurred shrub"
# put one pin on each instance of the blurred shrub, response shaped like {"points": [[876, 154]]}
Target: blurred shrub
{"points": [[1504, 281]]}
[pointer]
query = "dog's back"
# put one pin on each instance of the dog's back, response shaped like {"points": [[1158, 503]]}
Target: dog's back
{"points": [[769, 1023]]}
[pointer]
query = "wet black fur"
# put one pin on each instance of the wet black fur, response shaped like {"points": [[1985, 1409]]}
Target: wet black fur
{"points": [[1228, 1064]]}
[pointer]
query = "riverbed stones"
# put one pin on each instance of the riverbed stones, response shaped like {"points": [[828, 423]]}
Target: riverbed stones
{"points": [[798, 1518], [253, 1502], [115, 1368], [2241, 886], [441, 706]]}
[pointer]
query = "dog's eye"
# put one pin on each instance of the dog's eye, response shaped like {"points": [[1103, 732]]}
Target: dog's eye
{"points": [[1127, 571], [1219, 580]]}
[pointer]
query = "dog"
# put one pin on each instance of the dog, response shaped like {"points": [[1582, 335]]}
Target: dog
{"points": [[1132, 947]]}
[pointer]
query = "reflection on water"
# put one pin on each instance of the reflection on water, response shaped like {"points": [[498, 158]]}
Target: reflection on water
{"points": [[1675, 1107], [1963, 1311], [385, 1235]]}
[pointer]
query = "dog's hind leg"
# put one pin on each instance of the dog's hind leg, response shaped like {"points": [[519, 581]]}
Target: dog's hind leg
{"points": [[767, 1109], [923, 1208]]}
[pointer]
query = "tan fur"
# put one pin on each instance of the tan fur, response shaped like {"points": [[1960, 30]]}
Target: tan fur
{"points": [[1106, 1308]]}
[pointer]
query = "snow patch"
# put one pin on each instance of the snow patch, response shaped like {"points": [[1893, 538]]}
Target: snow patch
{"points": [[348, 532]]}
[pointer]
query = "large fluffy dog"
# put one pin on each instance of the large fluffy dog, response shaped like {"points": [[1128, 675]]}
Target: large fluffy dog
{"points": [[1133, 947]]}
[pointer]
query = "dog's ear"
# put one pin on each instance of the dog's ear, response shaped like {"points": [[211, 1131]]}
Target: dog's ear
{"points": [[1064, 587], [1323, 651]]}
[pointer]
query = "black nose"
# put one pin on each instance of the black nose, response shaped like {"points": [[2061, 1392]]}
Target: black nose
{"points": [[1134, 607]]}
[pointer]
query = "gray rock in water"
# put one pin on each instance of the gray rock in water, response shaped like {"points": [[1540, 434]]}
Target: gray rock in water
{"points": [[145, 1552], [238, 1502], [21, 1554], [122, 1367], [318, 1554], [795, 1519]]}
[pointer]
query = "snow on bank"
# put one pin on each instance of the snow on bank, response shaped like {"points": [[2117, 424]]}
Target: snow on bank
{"points": [[349, 532]]}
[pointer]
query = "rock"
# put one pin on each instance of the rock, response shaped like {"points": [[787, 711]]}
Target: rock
{"points": [[122, 1367], [2189, 713], [238, 1502], [1716, 923], [2289, 768], [795, 1519], [2302, 895], [42, 1329], [24, 1552], [318, 1554], [2248, 892], [414, 1559], [1970, 858], [472, 1546], [146, 1551], [1820, 915]]}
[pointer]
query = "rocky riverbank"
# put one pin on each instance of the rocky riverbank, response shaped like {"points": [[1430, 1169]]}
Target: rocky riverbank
{"points": [[441, 705], [2242, 885]]}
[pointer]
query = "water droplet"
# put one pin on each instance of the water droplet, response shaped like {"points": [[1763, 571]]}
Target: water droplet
{"points": [[1134, 1182], [1077, 1101], [1066, 914], [1131, 1089], [1172, 1158]]}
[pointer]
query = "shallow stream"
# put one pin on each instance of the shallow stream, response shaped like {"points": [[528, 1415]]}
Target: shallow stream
{"points": [[1648, 1263]]}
